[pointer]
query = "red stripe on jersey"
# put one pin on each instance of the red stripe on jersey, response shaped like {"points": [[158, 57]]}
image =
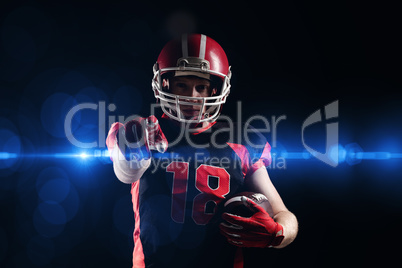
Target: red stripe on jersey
{"points": [[264, 161], [243, 154], [238, 259], [138, 253]]}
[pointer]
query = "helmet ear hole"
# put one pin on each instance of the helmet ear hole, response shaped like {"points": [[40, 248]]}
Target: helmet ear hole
{"points": [[214, 92], [165, 84], [216, 85], [166, 81]]}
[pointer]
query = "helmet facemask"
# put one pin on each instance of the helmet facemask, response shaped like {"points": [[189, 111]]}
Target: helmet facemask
{"points": [[171, 104]]}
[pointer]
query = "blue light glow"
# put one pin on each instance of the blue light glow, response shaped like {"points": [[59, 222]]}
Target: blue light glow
{"points": [[295, 155], [352, 154], [6, 155]]}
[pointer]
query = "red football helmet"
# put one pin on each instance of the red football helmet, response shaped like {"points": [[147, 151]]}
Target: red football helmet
{"points": [[195, 55]]}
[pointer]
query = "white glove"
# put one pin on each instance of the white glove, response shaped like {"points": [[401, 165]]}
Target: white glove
{"points": [[130, 147]]}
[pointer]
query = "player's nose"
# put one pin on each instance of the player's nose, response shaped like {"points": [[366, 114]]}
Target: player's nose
{"points": [[195, 93]]}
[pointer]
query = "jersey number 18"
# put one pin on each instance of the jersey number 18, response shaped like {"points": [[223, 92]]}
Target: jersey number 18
{"points": [[207, 194]]}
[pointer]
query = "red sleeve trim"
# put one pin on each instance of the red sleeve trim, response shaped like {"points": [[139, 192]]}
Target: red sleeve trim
{"points": [[238, 259], [138, 252], [265, 160], [243, 154]]}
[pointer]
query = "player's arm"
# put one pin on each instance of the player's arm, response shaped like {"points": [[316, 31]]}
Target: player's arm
{"points": [[260, 182]]}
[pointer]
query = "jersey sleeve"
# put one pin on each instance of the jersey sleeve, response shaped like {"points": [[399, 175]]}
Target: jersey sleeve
{"points": [[259, 150], [254, 152]]}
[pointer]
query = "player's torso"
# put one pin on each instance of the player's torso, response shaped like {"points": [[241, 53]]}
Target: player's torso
{"points": [[181, 194]]}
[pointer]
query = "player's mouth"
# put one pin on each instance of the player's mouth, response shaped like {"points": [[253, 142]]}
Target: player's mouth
{"points": [[190, 112]]}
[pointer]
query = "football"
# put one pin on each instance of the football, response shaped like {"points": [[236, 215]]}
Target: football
{"points": [[237, 204]]}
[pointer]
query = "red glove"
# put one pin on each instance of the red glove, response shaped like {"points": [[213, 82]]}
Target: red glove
{"points": [[260, 230]]}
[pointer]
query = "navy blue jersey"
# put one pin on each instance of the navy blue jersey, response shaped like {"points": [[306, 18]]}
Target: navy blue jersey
{"points": [[178, 201]]}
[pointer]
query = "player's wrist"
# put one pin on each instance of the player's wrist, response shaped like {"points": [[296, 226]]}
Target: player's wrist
{"points": [[277, 237]]}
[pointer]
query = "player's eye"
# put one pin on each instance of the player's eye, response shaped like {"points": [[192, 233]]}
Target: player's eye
{"points": [[202, 88], [181, 85]]}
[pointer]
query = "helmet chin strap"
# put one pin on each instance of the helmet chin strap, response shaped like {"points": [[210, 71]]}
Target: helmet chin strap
{"points": [[192, 126], [198, 125]]}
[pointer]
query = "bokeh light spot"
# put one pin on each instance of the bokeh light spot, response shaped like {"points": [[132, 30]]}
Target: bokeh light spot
{"points": [[55, 190], [52, 212], [71, 203], [45, 228], [54, 112], [48, 174]]}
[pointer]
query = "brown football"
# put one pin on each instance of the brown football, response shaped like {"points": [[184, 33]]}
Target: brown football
{"points": [[236, 204]]}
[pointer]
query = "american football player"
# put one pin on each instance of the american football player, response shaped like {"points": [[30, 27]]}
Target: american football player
{"points": [[179, 182]]}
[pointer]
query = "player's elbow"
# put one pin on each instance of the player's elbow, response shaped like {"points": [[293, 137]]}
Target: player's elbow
{"points": [[128, 174], [122, 176]]}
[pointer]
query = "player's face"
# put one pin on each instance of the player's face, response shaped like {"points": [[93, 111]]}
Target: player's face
{"points": [[191, 86]]}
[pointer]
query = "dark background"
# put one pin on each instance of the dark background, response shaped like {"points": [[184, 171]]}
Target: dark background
{"points": [[288, 58]]}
